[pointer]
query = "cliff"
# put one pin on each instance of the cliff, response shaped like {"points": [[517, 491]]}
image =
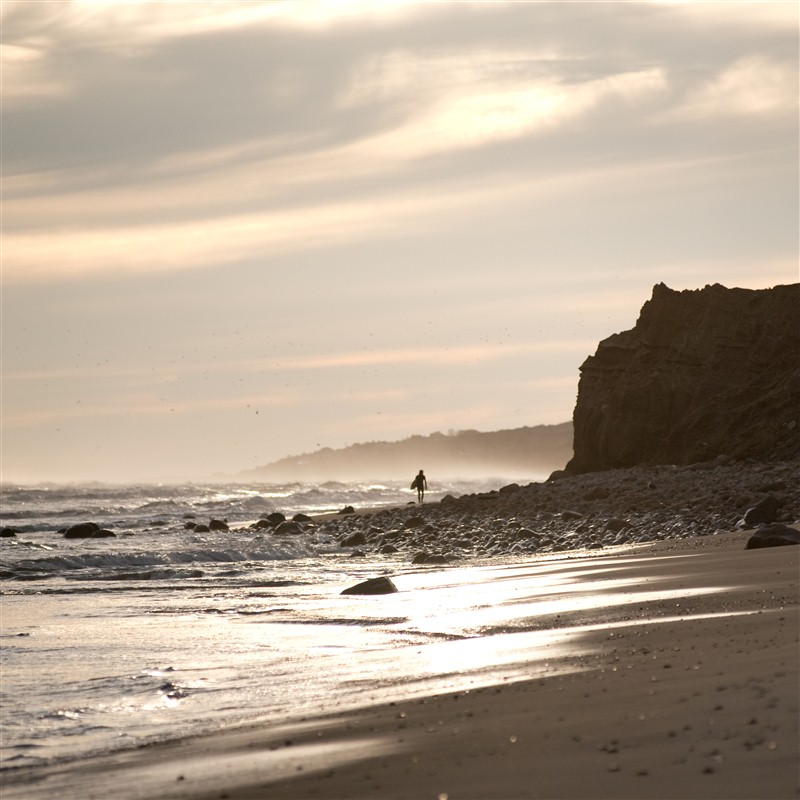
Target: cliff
{"points": [[526, 452], [704, 373]]}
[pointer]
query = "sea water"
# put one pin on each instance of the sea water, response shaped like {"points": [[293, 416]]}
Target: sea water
{"points": [[162, 631]]}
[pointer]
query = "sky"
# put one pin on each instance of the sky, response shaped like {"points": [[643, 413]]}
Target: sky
{"points": [[237, 231]]}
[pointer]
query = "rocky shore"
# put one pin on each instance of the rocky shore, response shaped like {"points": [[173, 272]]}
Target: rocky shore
{"points": [[593, 510]]}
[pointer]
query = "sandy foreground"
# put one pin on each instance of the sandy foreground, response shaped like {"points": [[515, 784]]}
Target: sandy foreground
{"points": [[694, 694]]}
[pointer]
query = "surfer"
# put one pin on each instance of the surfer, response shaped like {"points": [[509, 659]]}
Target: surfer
{"points": [[420, 483]]}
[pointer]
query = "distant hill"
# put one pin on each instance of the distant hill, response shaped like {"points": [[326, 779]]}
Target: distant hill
{"points": [[525, 452]]}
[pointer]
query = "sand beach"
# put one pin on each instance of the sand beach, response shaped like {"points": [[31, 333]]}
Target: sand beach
{"points": [[671, 670]]}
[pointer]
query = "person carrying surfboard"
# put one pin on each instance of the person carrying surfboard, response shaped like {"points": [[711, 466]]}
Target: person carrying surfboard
{"points": [[420, 483]]}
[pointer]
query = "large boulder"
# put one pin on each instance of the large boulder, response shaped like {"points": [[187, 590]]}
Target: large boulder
{"points": [[775, 535], [703, 373], [763, 512]]}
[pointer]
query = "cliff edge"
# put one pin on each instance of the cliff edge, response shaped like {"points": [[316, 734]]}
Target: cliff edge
{"points": [[704, 373]]}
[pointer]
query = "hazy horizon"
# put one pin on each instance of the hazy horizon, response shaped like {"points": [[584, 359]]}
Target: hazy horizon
{"points": [[237, 232]]}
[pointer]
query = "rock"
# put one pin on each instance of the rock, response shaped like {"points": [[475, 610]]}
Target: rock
{"points": [[381, 585], [774, 535], [429, 558], [88, 530], [414, 522], [189, 526], [765, 511], [353, 540], [81, 530], [262, 523], [568, 515], [347, 510], [275, 518], [614, 525], [703, 373], [301, 518], [287, 527], [8, 533], [201, 529], [218, 525], [388, 549]]}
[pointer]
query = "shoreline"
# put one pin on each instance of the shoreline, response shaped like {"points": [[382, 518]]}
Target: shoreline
{"points": [[662, 700]]}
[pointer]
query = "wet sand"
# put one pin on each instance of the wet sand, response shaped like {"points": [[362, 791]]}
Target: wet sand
{"points": [[691, 691]]}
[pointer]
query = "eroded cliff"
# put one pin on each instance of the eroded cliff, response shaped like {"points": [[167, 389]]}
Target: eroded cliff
{"points": [[704, 373]]}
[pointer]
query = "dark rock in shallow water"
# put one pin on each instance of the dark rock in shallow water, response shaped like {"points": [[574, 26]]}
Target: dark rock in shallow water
{"points": [[8, 533], [81, 530], [347, 510], [381, 585], [201, 529], [353, 540], [301, 518], [774, 535], [218, 525], [288, 527], [763, 512], [275, 518]]}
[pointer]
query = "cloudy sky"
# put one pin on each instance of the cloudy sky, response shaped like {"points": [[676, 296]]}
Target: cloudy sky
{"points": [[235, 231]]}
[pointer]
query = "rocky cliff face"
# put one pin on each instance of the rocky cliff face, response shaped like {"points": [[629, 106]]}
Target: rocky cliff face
{"points": [[704, 373]]}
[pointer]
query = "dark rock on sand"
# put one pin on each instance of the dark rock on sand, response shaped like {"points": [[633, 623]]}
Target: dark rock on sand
{"points": [[218, 525], [275, 518], [381, 585], [764, 512], [301, 518], [775, 535], [347, 510], [430, 558], [703, 373]]}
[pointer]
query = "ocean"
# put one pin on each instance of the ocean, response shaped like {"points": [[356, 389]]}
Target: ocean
{"points": [[163, 631]]}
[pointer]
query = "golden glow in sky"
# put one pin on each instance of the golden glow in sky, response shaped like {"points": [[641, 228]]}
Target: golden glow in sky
{"points": [[234, 230]]}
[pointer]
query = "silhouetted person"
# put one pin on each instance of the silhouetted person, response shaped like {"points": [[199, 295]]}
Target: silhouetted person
{"points": [[420, 483]]}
